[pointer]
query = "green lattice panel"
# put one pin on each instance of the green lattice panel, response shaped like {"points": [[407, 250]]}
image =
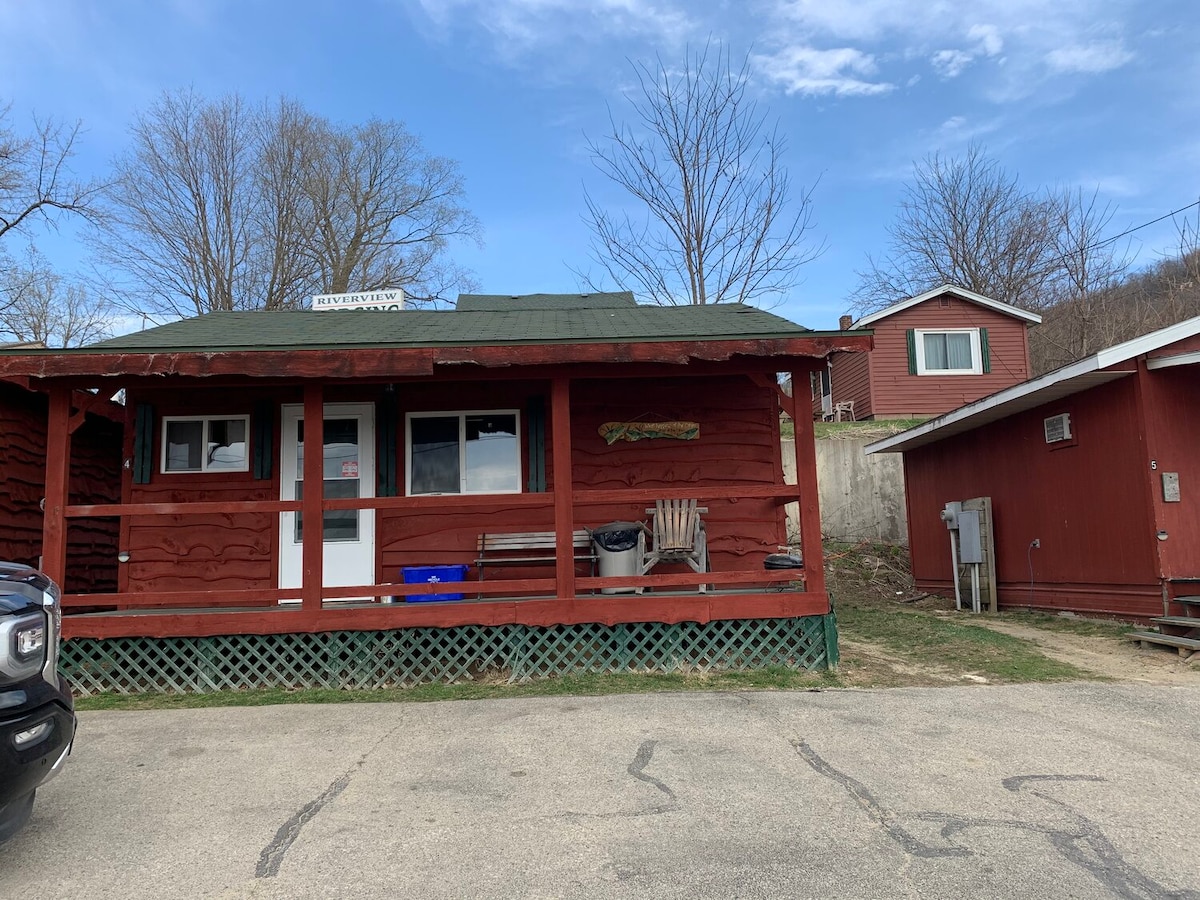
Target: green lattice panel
{"points": [[372, 659]]}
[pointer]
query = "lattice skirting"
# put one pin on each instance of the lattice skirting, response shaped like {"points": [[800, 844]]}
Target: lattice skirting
{"points": [[373, 659]]}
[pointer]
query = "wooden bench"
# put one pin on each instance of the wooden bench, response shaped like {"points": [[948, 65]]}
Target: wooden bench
{"points": [[530, 548]]}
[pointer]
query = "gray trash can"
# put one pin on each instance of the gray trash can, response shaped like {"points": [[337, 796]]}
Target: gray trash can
{"points": [[616, 552]]}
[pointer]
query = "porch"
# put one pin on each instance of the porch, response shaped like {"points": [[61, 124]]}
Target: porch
{"points": [[737, 585]]}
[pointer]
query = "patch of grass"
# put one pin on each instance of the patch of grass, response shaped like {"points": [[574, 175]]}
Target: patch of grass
{"points": [[935, 641], [769, 679]]}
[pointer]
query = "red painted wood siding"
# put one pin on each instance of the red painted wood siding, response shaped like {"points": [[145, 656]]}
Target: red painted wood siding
{"points": [[896, 394], [852, 381], [1171, 398], [1089, 505], [738, 445], [211, 551], [95, 478]]}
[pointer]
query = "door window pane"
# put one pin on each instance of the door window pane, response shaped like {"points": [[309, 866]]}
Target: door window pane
{"points": [[434, 455], [341, 470], [340, 524]]}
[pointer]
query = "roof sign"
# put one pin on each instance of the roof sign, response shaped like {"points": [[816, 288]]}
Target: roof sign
{"points": [[390, 299]]}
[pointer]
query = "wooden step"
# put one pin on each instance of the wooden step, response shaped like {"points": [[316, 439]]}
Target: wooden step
{"points": [[1187, 601], [1185, 646], [1178, 621]]}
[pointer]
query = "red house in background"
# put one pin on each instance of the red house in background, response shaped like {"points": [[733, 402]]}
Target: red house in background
{"points": [[95, 477], [499, 417], [933, 353], [1096, 462]]}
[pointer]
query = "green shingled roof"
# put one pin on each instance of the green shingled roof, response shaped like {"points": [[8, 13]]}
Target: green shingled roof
{"points": [[429, 328], [501, 302]]}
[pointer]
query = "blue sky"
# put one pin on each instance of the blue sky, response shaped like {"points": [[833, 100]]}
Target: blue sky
{"points": [[1095, 93]]}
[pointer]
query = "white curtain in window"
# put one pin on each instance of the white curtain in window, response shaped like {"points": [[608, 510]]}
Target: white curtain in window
{"points": [[958, 351], [948, 351]]}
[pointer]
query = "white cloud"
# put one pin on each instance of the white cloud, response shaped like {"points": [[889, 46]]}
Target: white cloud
{"points": [[1090, 59], [950, 63], [530, 22], [807, 70], [987, 37]]}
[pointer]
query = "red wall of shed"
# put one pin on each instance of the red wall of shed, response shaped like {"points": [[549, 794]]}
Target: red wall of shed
{"points": [[1171, 398], [1088, 503]]}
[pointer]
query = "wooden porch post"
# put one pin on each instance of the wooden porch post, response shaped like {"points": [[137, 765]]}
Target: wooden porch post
{"points": [[564, 504], [314, 493], [806, 483], [58, 481]]}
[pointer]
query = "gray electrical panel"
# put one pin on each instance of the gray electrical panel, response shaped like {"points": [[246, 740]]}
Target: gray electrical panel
{"points": [[970, 546]]}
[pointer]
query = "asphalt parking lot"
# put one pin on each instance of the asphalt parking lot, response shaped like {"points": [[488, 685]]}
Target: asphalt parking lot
{"points": [[1079, 790]]}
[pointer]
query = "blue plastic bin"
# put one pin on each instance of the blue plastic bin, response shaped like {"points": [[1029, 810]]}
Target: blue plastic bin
{"points": [[433, 575]]}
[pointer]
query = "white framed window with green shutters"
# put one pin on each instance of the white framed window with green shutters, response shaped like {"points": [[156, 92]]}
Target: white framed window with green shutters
{"points": [[948, 351], [205, 444], [467, 452]]}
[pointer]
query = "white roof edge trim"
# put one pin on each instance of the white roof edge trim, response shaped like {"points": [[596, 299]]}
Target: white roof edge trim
{"points": [[1180, 359], [1094, 363], [1007, 309]]}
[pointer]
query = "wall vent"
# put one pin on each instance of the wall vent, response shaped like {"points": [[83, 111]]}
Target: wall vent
{"points": [[1058, 428]]}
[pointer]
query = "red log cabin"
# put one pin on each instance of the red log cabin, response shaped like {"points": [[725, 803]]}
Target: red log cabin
{"points": [[933, 353], [438, 426], [95, 477]]}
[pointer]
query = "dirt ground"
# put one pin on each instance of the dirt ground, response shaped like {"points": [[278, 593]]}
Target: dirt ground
{"points": [[866, 663], [1118, 659], [879, 577]]}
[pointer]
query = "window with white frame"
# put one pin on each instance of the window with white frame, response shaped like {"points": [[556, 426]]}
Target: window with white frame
{"points": [[464, 452], [950, 351], [205, 444]]}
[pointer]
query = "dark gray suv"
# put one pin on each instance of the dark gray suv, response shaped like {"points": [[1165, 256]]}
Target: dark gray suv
{"points": [[37, 713]]}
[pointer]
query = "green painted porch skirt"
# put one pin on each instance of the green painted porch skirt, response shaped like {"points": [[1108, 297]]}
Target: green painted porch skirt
{"points": [[375, 659]]}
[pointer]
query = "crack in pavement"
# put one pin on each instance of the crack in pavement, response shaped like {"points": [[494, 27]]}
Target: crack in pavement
{"points": [[272, 855], [1084, 846], [640, 761], [873, 808]]}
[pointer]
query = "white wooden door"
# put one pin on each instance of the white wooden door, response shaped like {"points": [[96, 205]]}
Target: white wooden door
{"points": [[349, 466]]}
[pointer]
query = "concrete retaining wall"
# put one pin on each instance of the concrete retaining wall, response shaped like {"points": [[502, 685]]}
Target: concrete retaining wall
{"points": [[862, 497]]}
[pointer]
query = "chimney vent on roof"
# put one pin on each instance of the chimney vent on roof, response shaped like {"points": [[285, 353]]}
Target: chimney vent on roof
{"points": [[845, 322]]}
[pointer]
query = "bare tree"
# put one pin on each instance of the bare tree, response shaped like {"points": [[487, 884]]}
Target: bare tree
{"points": [[219, 205], [37, 305], [717, 223], [966, 221], [384, 211], [36, 184], [1084, 309]]}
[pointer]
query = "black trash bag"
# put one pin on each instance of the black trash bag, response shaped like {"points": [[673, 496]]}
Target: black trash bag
{"points": [[616, 537], [783, 561]]}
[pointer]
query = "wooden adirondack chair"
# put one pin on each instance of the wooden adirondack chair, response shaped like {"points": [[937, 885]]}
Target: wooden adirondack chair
{"points": [[677, 535]]}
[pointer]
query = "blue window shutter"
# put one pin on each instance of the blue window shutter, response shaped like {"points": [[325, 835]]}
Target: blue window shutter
{"points": [[985, 351], [911, 336]]}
